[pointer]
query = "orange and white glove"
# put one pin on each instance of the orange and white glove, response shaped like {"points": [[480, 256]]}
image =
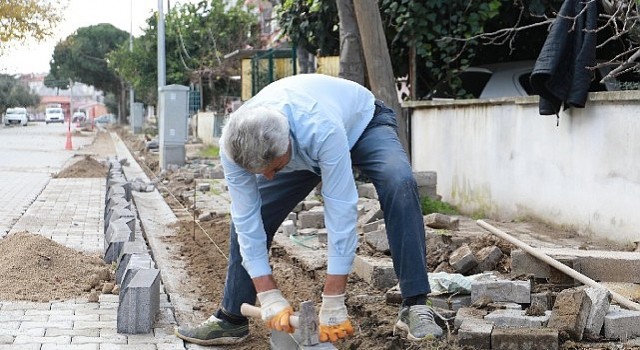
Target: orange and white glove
{"points": [[334, 321], [275, 310]]}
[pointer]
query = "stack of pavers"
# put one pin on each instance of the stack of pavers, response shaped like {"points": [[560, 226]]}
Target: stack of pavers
{"points": [[136, 273]]}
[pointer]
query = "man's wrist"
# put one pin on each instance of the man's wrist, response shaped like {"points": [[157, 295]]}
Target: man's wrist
{"points": [[335, 284], [264, 283]]}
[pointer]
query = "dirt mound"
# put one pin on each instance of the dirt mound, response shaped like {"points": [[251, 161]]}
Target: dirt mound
{"points": [[86, 167], [38, 269]]}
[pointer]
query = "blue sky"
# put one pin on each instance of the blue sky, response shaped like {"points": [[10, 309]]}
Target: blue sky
{"points": [[34, 57]]}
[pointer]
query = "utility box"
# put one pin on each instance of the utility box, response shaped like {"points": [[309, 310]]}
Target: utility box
{"points": [[173, 130], [137, 121]]}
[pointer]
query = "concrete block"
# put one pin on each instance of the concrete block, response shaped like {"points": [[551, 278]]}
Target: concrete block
{"points": [[451, 302], [120, 189], [137, 262], [367, 190], [600, 302], [468, 313], [488, 258], [502, 290], [311, 219], [371, 216], [378, 240], [440, 221], [570, 312], [524, 339], [599, 265], [517, 318], [393, 295], [289, 228], [293, 217], [128, 250], [523, 263], [119, 213], [310, 204], [543, 299], [116, 202], [115, 244], [120, 225], [372, 226], [621, 324], [427, 183], [378, 272], [462, 259], [139, 303], [475, 334]]}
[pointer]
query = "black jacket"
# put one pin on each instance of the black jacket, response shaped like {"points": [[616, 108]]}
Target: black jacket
{"points": [[560, 75]]}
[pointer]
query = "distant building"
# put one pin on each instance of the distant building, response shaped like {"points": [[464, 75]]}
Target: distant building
{"points": [[86, 98]]}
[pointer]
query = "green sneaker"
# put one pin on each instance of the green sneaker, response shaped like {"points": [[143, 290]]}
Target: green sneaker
{"points": [[418, 322], [214, 331]]}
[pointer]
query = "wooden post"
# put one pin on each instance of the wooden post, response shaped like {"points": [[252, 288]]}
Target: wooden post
{"points": [[378, 61]]}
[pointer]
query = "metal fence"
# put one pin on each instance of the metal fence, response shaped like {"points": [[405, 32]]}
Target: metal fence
{"points": [[270, 66]]}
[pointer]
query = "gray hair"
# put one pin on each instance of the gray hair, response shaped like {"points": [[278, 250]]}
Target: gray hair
{"points": [[254, 137]]}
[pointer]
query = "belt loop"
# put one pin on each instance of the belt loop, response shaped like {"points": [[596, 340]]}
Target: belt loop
{"points": [[378, 106]]}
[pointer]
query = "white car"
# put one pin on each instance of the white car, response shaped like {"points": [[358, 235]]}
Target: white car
{"points": [[54, 115], [507, 79], [16, 115]]}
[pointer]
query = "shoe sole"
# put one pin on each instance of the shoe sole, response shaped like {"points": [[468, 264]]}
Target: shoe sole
{"points": [[405, 328], [217, 341]]}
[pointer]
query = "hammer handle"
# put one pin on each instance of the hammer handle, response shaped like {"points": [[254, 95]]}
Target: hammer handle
{"points": [[254, 311]]}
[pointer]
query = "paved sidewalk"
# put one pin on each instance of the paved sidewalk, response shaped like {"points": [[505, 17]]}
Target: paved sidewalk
{"points": [[70, 211]]}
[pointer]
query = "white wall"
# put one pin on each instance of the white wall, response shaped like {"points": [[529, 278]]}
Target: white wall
{"points": [[501, 159], [204, 127]]}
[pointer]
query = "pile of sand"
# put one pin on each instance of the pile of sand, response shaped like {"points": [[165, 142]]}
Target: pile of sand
{"points": [[35, 268], [86, 167]]}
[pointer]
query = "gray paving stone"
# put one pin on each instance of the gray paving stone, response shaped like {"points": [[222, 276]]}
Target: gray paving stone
{"points": [[31, 346], [94, 324], [119, 339], [25, 339], [87, 332], [56, 324], [377, 272], [139, 302], [502, 290], [70, 347], [106, 346]]}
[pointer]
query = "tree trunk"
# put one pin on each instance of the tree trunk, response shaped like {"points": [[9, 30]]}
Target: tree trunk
{"points": [[376, 54], [351, 57]]}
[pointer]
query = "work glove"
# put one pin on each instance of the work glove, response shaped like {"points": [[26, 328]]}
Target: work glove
{"points": [[275, 310], [334, 321]]}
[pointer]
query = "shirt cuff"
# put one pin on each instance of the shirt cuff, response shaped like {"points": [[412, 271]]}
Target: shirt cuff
{"points": [[257, 267], [340, 265]]}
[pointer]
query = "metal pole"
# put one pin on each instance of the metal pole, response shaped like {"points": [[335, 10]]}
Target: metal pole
{"points": [[131, 92], [161, 50], [69, 144]]}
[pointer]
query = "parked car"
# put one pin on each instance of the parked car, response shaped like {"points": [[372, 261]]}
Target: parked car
{"points": [[507, 79], [78, 117], [16, 115], [54, 115]]}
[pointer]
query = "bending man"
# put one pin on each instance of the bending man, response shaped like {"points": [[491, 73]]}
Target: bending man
{"points": [[275, 149]]}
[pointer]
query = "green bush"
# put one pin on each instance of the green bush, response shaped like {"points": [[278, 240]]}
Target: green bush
{"points": [[434, 206], [210, 152]]}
